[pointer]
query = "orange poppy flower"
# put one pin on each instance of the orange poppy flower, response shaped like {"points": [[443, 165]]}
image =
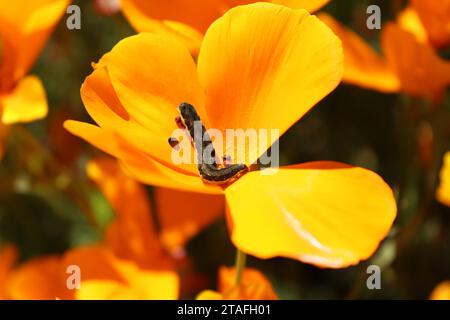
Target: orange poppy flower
{"points": [[187, 21], [24, 28], [408, 63], [435, 17], [8, 257], [103, 276], [443, 190], [324, 213], [253, 286], [441, 292]]}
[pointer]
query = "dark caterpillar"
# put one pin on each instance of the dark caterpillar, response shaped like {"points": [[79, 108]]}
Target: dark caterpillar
{"points": [[209, 169]]}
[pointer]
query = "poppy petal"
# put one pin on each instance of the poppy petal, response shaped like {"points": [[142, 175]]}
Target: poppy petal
{"points": [[8, 257], [27, 102], [113, 290], [141, 18], [443, 191], [131, 235], [47, 277], [269, 81], [161, 77], [209, 295], [198, 14], [254, 285], [104, 106], [187, 21], [415, 63], [155, 174], [24, 29], [435, 16], [363, 66], [308, 5], [409, 21], [441, 292], [324, 213], [184, 214], [99, 264], [102, 139], [136, 164]]}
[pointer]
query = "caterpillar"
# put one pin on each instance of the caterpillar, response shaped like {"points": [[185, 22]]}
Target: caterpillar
{"points": [[208, 168]]}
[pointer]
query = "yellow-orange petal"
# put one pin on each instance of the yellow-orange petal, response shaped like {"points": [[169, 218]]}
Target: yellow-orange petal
{"points": [[8, 257], [441, 292], [24, 29], [263, 66], [309, 5], [187, 21], [39, 279], [97, 263], [27, 102], [324, 213], [409, 21], [209, 295], [1, 51], [435, 16], [106, 110], [131, 235], [105, 290], [113, 290], [161, 76], [415, 63], [443, 190], [198, 14], [102, 139], [363, 66], [103, 105], [142, 20], [190, 37], [100, 100], [145, 285], [254, 285], [184, 214], [153, 173], [136, 164], [49, 276]]}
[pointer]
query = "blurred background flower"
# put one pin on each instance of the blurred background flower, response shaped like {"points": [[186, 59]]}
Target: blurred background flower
{"points": [[187, 20], [441, 292], [253, 286], [24, 29]]}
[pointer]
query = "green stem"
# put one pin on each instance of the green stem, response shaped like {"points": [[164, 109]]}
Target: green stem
{"points": [[241, 259]]}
